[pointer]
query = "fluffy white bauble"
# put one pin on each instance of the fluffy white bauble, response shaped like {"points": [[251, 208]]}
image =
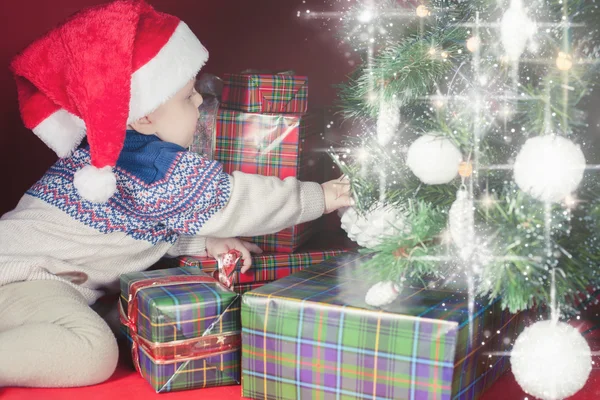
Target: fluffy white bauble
{"points": [[549, 167], [382, 293], [433, 159], [550, 360], [369, 230]]}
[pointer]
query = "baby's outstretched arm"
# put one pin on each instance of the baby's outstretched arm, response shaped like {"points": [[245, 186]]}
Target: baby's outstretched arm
{"points": [[260, 205], [206, 202]]}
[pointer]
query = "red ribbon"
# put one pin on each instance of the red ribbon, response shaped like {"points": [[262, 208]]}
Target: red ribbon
{"points": [[179, 350]]}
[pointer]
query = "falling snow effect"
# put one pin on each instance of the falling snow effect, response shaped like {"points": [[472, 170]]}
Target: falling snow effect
{"points": [[506, 83]]}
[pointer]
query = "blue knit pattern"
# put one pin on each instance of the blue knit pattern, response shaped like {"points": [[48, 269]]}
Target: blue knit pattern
{"points": [[162, 192]]}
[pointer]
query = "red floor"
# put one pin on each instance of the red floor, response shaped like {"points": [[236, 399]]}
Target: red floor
{"points": [[128, 385]]}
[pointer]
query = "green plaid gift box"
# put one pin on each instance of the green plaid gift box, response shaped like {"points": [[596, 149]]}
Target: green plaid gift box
{"points": [[265, 267], [312, 336], [265, 93], [272, 145], [183, 327]]}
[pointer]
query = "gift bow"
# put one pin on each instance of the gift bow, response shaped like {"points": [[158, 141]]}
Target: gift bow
{"points": [[226, 266]]}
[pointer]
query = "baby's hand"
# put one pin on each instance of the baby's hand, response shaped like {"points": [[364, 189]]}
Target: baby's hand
{"points": [[216, 246], [337, 194]]}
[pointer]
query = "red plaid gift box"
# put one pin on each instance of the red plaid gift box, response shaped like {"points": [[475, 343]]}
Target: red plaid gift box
{"points": [[270, 267], [287, 240], [272, 145], [265, 268], [265, 93]]}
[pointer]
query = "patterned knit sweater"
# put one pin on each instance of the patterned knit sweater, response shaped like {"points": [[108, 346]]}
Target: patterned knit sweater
{"points": [[168, 201]]}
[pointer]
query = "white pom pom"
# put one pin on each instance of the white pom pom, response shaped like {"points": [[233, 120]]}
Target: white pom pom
{"points": [[433, 159], [95, 184], [382, 293], [549, 167], [551, 360]]}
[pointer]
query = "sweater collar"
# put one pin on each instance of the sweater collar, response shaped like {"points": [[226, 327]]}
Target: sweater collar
{"points": [[135, 138]]}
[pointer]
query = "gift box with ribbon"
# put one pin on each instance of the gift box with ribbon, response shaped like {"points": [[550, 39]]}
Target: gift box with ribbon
{"points": [[184, 328], [312, 335], [282, 93]]}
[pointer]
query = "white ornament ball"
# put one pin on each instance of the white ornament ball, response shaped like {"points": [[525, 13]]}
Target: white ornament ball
{"points": [[382, 294], [551, 360], [549, 167], [433, 159], [369, 230]]}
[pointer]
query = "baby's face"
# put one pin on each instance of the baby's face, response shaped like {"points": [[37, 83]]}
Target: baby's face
{"points": [[175, 121]]}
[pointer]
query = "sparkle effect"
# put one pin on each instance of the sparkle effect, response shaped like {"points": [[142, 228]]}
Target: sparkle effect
{"points": [[490, 100]]}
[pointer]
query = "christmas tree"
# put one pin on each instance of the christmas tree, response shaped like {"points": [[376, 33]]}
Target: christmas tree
{"points": [[472, 161]]}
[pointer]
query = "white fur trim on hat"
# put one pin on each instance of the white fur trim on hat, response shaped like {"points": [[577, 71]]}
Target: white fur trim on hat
{"points": [[177, 62], [61, 131], [95, 184]]}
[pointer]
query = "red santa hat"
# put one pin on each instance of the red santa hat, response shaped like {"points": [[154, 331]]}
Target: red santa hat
{"points": [[104, 68]]}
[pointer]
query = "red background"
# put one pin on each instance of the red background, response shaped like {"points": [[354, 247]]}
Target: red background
{"points": [[239, 34]]}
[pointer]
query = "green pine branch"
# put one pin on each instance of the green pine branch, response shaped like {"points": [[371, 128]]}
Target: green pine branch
{"points": [[429, 57]]}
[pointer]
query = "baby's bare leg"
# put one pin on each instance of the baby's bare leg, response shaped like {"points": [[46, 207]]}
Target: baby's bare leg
{"points": [[50, 337]]}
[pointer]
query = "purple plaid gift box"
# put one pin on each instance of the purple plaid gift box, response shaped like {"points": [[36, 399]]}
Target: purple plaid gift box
{"points": [[311, 335]]}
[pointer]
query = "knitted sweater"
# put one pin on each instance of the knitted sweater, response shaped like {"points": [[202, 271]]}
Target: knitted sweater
{"points": [[168, 201]]}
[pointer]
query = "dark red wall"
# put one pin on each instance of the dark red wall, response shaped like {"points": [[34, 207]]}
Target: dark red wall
{"points": [[239, 34]]}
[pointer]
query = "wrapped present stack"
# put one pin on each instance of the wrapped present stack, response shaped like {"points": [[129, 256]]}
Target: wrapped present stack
{"points": [[183, 323], [183, 320], [297, 325], [311, 334], [262, 126], [259, 123]]}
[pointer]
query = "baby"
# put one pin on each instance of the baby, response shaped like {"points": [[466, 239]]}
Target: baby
{"points": [[122, 76]]}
